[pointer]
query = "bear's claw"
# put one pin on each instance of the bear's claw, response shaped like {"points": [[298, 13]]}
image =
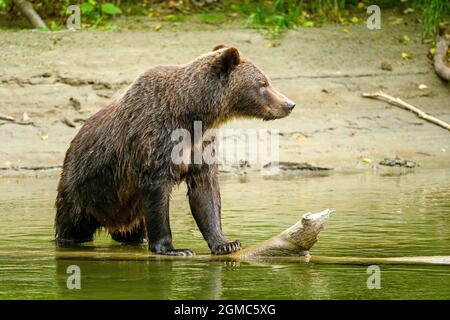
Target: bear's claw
{"points": [[179, 252], [226, 248]]}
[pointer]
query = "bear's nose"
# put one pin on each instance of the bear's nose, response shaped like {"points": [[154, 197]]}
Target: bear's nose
{"points": [[290, 105]]}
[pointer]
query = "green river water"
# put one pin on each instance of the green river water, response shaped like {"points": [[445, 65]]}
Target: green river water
{"points": [[377, 215]]}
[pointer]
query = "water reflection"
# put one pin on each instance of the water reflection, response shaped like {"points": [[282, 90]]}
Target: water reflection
{"points": [[220, 280]]}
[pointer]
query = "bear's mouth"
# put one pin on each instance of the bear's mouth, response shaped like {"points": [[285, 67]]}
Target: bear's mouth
{"points": [[279, 114]]}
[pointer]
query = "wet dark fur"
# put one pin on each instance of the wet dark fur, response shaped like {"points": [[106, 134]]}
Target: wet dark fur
{"points": [[118, 172]]}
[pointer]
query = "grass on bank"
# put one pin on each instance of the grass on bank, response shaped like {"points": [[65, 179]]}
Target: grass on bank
{"points": [[272, 18]]}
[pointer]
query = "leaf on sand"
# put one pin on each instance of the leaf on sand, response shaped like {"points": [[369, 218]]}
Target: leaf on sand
{"points": [[395, 21], [406, 56], [345, 30], [158, 26], [354, 20], [408, 10], [44, 137], [367, 160], [271, 44], [405, 39], [171, 18]]}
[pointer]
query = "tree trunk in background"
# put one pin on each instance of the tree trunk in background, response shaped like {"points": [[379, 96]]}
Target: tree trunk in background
{"points": [[27, 9], [440, 57]]}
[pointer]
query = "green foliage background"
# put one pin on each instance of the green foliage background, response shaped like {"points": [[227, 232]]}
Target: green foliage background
{"points": [[273, 17]]}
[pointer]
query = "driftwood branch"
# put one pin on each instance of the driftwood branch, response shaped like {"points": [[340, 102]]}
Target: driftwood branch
{"points": [[402, 104], [28, 11], [362, 261], [441, 65], [292, 242]]}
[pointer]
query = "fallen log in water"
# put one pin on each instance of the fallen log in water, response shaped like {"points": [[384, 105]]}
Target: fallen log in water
{"points": [[290, 246], [293, 242]]}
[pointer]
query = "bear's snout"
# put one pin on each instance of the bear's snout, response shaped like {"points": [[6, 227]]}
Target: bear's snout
{"points": [[290, 105]]}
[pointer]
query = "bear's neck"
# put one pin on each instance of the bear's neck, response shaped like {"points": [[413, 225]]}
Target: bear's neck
{"points": [[204, 108]]}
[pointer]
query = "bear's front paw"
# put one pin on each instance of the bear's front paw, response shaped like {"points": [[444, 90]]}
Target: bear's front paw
{"points": [[226, 248]]}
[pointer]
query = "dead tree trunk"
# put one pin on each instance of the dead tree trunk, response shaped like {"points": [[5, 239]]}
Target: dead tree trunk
{"points": [[28, 11]]}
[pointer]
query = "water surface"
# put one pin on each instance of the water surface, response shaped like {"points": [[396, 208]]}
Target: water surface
{"points": [[377, 215]]}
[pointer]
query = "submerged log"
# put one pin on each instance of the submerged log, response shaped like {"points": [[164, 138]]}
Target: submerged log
{"points": [[290, 246], [362, 261], [294, 242]]}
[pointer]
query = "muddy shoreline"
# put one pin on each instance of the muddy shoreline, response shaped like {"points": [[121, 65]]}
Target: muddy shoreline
{"points": [[59, 79]]}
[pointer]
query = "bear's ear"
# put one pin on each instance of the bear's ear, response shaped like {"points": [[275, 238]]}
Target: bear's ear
{"points": [[227, 60], [219, 46]]}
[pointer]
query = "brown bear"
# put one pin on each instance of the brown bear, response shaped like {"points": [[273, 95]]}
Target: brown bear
{"points": [[118, 173]]}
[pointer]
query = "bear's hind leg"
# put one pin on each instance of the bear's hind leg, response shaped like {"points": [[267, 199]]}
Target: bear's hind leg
{"points": [[71, 230], [134, 236]]}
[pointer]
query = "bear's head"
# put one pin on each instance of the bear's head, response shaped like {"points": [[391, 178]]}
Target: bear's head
{"points": [[249, 91]]}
